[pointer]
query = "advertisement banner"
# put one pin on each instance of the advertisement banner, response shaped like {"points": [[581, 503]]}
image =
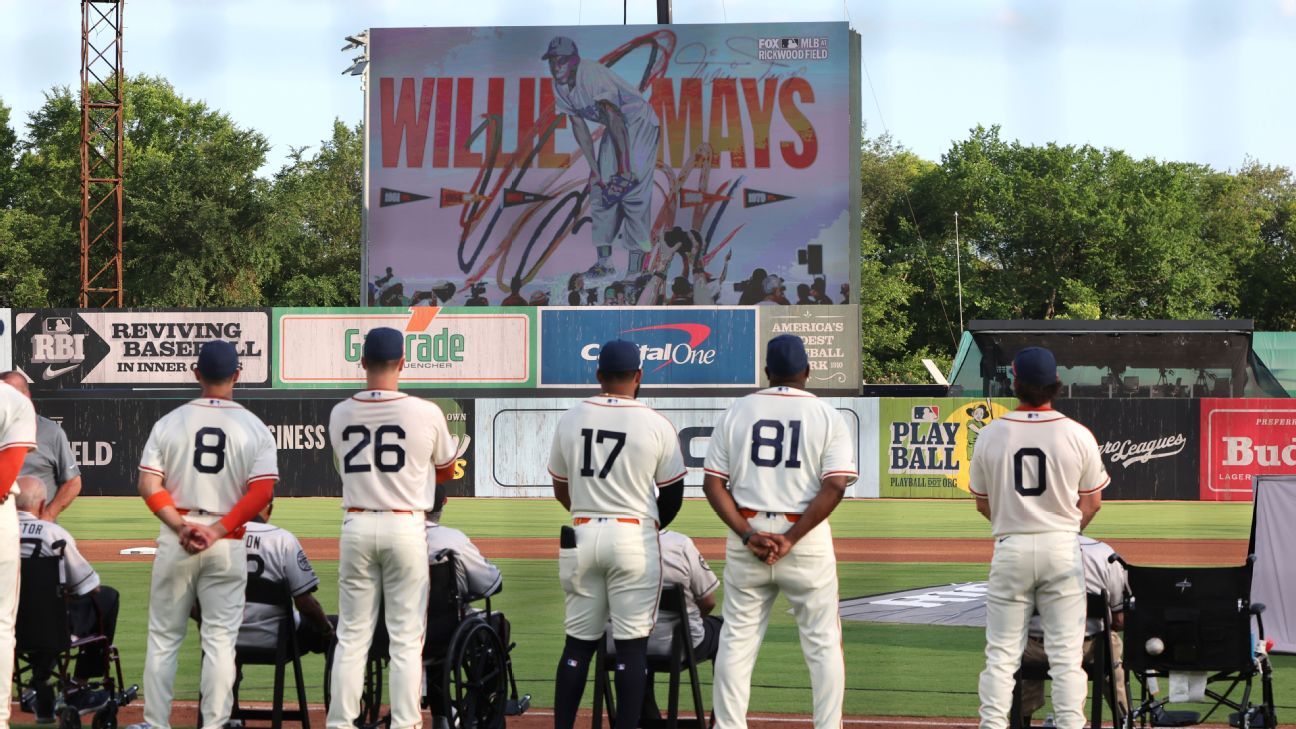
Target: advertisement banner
{"points": [[514, 437], [926, 444], [108, 436], [69, 348], [6, 340], [613, 165], [832, 338], [478, 347], [679, 347], [1149, 445], [1242, 438]]}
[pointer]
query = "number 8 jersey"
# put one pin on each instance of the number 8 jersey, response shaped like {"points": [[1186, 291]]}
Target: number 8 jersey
{"points": [[207, 451], [613, 452], [776, 447], [1033, 465], [387, 447]]}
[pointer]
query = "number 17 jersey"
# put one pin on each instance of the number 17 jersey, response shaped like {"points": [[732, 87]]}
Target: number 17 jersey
{"points": [[387, 447], [1033, 465], [613, 452], [207, 451]]}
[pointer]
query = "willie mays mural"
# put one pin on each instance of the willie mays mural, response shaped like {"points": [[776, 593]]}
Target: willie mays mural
{"points": [[613, 165]]}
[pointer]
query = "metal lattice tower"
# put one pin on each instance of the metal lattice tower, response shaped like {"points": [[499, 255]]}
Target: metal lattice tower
{"points": [[101, 153]]}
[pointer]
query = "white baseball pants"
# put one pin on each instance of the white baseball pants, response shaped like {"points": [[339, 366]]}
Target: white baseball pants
{"points": [[9, 583], [1030, 572], [808, 576], [217, 578], [614, 572], [383, 561]]}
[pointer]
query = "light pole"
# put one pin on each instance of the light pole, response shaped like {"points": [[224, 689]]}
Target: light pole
{"points": [[958, 265]]}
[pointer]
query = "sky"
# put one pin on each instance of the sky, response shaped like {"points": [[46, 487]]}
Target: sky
{"points": [[1206, 81]]}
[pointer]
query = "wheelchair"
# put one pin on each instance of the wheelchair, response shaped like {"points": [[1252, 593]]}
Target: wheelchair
{"points": [[43, 629], [1197, 619], [467, 671]]}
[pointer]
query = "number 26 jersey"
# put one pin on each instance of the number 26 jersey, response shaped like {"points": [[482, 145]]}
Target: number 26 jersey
{"points": [[387, 447], [207, 451], [1033, 465], [613, 452]]}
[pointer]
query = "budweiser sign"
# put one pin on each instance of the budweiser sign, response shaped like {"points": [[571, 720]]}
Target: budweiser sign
{"points": [[1241, 439]]}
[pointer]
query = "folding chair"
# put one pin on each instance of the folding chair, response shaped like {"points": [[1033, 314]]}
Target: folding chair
{"points": [[1099, 666], [678, 659], [275, 594], [1201, 619]]}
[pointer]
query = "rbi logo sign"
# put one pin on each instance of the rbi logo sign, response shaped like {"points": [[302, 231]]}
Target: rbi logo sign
{"points": [[57, 347]]}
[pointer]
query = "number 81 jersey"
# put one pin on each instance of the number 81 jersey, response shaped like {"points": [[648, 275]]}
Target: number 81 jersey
{"points": [[613, 452], [1033, 465], [777, 445], [387, 446], [207, 451]]}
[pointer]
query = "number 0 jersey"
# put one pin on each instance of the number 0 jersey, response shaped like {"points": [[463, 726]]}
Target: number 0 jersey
{"points": [[776, 447], [207, 451], [387, 447], [1033, 465], [613, 452]]}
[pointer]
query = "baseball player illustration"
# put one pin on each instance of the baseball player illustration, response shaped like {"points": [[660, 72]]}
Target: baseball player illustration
{"points": [[208, 467], [17, 437], [390, 450], [779, 462], [621, 172], [617, 467], [1038, 477]]}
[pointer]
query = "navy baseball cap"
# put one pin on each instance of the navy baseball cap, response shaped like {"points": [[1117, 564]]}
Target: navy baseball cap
{"points": [[785, 356], [561, 45], [619, 355], [1035, 366], [384, 344], [217, 360]]}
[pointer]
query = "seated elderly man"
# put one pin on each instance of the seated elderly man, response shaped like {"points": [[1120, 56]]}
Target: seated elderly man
{"points": [[88, 605], [478, 578], [275, 554]]}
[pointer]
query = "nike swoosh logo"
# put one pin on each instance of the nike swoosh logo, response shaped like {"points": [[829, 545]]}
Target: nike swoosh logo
{"points": [[50, 373]]}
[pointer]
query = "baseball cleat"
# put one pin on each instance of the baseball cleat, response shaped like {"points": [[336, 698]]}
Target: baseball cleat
{"points": [[600, 270]]}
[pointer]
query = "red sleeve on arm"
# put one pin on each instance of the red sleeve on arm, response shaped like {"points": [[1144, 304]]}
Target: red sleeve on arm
{"points": [[258, 495], [11, 461]]}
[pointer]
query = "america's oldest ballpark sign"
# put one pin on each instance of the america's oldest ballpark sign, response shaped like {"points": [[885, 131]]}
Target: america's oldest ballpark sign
{"points": [[704, 164], [468, 347]]}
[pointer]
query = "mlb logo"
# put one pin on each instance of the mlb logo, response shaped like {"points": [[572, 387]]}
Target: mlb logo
{"points": [[58, 325], [790, 43], [926, 413]]}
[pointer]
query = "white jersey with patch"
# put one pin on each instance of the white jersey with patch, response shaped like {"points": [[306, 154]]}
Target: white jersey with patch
{"points": [[613, 452], [682, 564], [1033, 466], [37, 536], [477, 577], [776, 446], [387, 446], [17, 422], [207, 451], [276, 555]]}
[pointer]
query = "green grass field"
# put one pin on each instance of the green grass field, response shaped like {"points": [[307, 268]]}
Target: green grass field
{"points": [[891, 669]]}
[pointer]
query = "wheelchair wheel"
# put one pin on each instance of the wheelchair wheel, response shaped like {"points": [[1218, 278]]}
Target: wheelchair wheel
{"points": [[105, 718], [69, 718], [476, 678]]}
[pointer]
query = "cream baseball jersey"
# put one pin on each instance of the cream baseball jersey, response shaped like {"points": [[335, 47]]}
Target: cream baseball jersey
{"points": [[37, 536], [207, 451], [388, 446], [273, 554], [613, 452], [1033, 466], [776, 447], [17, 422]]}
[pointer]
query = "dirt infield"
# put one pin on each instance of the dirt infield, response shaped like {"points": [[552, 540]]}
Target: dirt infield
{"points": [[1202, 552]]}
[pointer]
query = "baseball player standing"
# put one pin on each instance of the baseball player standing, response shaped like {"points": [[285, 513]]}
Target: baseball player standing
{"points": [[1038, 477], [617, 467], [779, 462], [17, 436], [621, 173], [208, 467], [387, 446]]}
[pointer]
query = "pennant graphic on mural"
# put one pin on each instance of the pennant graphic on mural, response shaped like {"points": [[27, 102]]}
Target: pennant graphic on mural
{"points": [[755, 198], [398, 197]]}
